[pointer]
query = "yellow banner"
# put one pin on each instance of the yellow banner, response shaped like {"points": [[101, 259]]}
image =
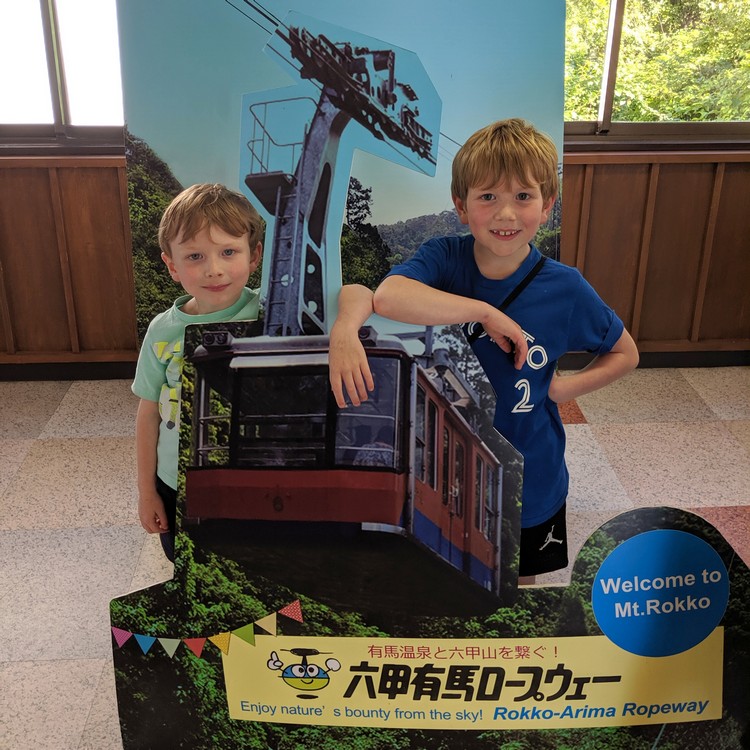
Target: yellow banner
{"points": [[542, 683]]}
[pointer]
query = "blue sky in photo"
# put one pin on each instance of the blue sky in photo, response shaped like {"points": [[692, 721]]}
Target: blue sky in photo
{"points": [[187, 65]]}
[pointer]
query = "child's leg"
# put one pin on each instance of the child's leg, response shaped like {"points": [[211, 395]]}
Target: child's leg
{"points": [[544, 548]]}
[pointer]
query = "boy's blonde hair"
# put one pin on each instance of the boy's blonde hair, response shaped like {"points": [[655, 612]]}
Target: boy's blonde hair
{"points": [[506, 149], [209, 205]]}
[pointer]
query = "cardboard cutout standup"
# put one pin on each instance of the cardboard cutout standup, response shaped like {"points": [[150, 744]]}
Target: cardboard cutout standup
{"points": [[348, 577]]}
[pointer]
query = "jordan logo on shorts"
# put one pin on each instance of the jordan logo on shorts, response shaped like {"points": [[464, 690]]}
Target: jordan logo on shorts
{"points": [[550, 539]]}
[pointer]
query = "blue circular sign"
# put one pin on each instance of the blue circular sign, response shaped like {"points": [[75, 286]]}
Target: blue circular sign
{"points": [[660, 593]]}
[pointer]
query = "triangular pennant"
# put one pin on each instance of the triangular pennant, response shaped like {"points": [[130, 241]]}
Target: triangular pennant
{"points": [[121, 636], [246, 633], [221, 641], [145, 642], [293, 611], [267, 624], [195, 645], [169, 645]]}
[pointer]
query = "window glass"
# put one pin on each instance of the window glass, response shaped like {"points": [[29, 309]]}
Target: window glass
{"points": [[585, 41], [478, 498], [431, 444], [419, 436], [88, 32], [370, 435], [24, 84], [683, 61]]}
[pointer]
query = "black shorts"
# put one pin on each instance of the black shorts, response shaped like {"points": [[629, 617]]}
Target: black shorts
{"points": [[544, 548], [169, 498]]}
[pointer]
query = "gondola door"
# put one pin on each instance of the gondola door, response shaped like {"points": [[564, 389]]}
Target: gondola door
{"points": [[455, 485]]}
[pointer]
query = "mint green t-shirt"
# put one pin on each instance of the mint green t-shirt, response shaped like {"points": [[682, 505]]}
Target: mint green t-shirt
{"points": [[159, 369]]}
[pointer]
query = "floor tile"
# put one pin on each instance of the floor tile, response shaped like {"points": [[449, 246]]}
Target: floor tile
{"points": [[44, 704], [28, 406], [741, 430], [152, 566], [73, 483], [61, 606], [654, 395], [726, 390], [594, 486], [682, 465], [102, 730], [734, 525], [102, 408], [12, 454]]}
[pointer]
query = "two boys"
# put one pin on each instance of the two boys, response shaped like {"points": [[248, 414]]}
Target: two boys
{"points": [[504, 186]]}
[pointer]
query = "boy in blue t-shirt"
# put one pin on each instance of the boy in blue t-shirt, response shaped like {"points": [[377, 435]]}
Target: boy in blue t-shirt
{"points": [[504, 185], [210, 239]]}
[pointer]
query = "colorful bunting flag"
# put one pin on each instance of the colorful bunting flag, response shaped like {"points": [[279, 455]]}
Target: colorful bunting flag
{"points": [[267, 624], [195, 645], [221, 641], [293, 611], [246, 633], [121, 636], [169, 645], [145, 641]]}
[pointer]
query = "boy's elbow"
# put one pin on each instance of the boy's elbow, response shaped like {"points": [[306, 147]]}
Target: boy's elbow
{"points": [[382, 299], [632, 357]]}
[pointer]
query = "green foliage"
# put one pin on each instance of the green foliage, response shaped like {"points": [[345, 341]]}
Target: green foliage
{"points": [[404, 237], [151, 187], [680, 60], [358, 203], [364, 256]]}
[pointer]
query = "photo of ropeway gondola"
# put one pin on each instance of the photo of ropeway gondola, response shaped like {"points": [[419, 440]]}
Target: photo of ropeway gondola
{"points": [[394, 505]]}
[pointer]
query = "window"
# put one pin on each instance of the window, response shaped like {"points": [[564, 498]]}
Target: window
{"points": [[478, 495], [446, 465], [674, 69], [419, 436], [492, 485], [65, 87], [431, 444]]}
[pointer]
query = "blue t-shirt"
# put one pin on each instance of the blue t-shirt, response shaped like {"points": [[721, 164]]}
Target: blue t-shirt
{"points": [[559, 312]]}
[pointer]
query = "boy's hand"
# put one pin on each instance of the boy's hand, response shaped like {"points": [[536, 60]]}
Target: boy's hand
{"points": [[348, 368], [507, 334], [151, 512]]}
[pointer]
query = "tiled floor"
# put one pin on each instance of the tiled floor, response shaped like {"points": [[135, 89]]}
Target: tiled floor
{"points": [[70, 540]]}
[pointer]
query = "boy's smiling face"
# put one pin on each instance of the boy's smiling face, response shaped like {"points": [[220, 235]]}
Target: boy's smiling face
{"points": [[213, 267], [503, 218]]}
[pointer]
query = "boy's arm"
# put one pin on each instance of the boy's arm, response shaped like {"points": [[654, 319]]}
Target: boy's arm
{"points": [[150, 505], [604, 369], [411, 301], [347, 362]]}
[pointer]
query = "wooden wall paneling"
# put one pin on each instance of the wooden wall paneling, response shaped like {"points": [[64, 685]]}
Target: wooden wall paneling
{"points": [[645, 250], [7, 344], [62, 248], [30, 259], [708, 245], [573, 201], [677, 245], [100, 261], [725, 322], [618, 202]]}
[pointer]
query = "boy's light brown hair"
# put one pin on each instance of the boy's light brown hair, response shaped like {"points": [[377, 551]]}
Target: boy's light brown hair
{"points": [[507, 149], [210, 205]]}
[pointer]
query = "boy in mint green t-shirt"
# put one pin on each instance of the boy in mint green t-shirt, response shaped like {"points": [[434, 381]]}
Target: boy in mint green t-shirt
{"points": [[210, 239]]}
